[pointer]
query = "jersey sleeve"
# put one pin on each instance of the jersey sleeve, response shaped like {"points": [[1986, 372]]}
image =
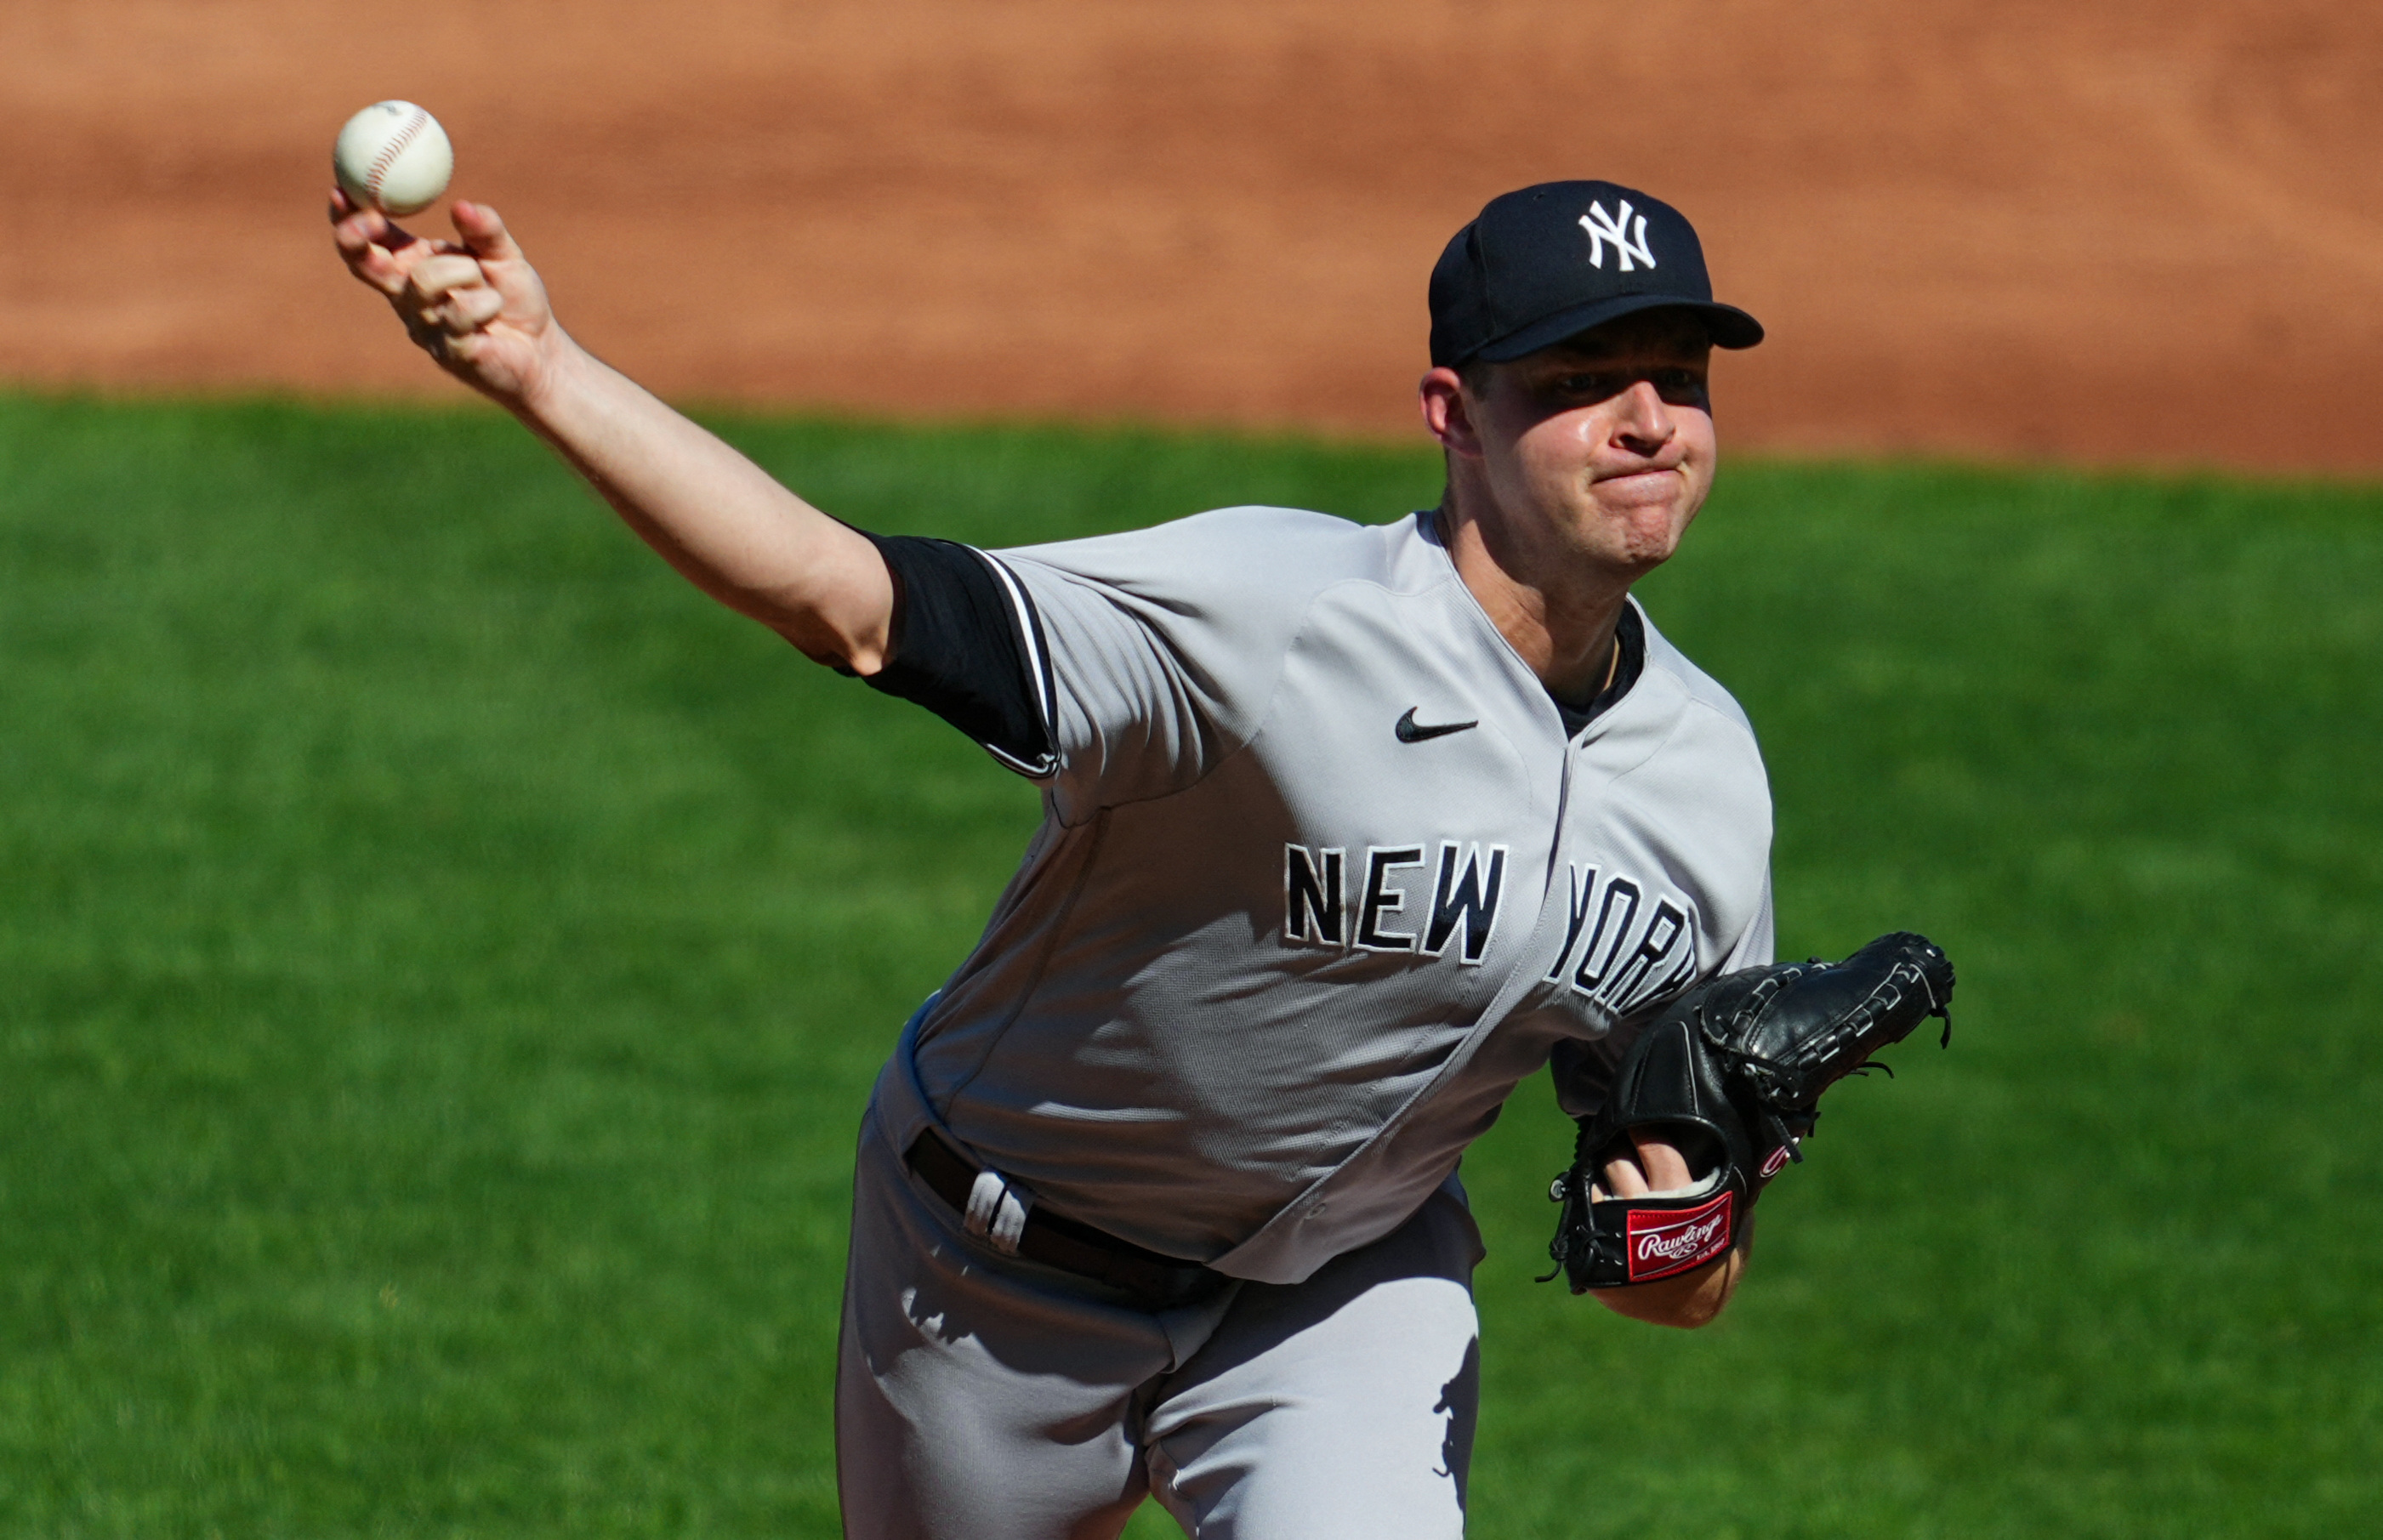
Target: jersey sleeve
{"points": [[966, 643], [1758, 945], [1166, 644]]}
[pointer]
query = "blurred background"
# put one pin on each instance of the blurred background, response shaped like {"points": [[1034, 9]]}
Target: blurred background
{"points": [[2118, 232], [443, 958]]}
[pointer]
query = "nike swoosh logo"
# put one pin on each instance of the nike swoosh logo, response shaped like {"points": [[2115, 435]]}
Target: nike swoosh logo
{"points": [[1411, 732]]}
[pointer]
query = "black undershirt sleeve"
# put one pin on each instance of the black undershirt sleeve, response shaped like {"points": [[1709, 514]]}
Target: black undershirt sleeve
{"points": [[966, 643]]}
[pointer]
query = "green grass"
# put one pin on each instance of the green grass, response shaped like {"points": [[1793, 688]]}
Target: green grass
{"points": [[442, 959]]}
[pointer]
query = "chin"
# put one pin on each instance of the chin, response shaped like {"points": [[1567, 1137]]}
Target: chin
{"points": [[1645, 537]]}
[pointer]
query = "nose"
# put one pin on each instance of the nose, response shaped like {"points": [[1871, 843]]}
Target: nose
{"points": [[1644, 423]]}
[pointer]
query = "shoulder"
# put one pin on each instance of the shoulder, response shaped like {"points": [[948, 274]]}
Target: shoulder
{"points": [[1703, 769], [1252, 557], [1697, 740], [1701, 693], [1165, 646]]}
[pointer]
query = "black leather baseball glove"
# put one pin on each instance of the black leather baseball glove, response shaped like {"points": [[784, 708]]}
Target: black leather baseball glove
{"points": [[1731, 1073]]}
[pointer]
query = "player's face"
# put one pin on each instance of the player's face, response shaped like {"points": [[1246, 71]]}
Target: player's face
{"points": [[1605, 442]]}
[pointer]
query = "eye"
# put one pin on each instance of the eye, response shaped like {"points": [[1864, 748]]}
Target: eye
{"points": [[1679, 386], [1591, 386]]}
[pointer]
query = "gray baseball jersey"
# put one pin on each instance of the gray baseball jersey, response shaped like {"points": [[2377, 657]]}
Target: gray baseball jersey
{"points": [[1323, 873]]}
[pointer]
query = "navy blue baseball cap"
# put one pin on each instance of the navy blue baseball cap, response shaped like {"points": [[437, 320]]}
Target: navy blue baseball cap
{"points": [[1551, 260]]}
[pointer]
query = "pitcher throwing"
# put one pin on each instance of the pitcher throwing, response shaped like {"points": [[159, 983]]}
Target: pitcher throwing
{"points": [[1347, 829]]}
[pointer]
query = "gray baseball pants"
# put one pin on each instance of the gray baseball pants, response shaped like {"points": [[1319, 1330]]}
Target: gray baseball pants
{"points": [[984, 1397]]}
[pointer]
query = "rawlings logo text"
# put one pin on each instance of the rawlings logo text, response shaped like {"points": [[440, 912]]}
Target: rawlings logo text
{"points": [[1664, 1242]]}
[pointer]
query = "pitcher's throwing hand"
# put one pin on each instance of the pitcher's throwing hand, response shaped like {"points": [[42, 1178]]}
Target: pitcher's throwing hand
{"points": [[474, 304]]}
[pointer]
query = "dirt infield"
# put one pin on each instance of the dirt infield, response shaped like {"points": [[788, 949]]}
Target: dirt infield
{"points": [[2115, 230]]}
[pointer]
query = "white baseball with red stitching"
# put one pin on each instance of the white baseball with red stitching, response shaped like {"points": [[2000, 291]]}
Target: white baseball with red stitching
{"points": [[394, 156]]}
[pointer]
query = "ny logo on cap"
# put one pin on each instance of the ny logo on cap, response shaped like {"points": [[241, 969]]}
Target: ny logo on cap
{"points": [[1627, 241]]}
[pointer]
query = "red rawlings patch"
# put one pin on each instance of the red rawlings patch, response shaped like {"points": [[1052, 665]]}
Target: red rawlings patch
{"points": [[1777, 1159], [1664, 1242]]}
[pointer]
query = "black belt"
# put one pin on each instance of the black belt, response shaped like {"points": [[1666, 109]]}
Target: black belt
{"points": [[1156, 1282]]}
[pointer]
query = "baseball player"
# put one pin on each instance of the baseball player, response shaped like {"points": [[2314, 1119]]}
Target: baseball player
{"points": [[1347, 829]]}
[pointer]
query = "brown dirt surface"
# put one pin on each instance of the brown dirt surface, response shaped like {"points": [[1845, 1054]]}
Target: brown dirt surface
{"points": [[2108, 230]]}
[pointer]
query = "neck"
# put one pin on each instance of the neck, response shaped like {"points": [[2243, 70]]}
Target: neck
{"points": [[1557, 610]]}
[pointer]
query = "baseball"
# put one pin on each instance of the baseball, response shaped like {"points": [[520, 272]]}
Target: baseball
{"points": [[394, 156]]}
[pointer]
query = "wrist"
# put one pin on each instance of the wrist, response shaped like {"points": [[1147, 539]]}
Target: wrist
{"points": [[559, 365]]}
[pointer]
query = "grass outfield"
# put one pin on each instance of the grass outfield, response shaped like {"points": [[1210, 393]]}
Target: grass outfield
{"points": [[442, 959]]}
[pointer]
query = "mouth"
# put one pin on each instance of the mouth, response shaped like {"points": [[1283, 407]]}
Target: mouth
{"points": [[1655, 484]]}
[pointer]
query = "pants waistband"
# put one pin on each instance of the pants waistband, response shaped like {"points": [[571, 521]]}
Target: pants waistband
{"points": [[1155, 1281]]}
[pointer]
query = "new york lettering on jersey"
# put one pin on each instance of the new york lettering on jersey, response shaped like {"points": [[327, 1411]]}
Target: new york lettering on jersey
{"points": [[1623, 948], [1317, 910]]}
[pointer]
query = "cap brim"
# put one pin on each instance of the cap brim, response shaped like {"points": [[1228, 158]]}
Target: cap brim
{"points": [[1730, 327]]}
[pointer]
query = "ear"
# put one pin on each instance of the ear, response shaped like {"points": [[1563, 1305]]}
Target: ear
{"points": [[1448, 412]]}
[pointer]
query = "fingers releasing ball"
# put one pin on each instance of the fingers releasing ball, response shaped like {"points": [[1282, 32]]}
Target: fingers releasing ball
{"points": [[394, 156]]}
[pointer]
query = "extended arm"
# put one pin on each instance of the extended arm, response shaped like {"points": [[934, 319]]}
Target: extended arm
{"points": [[477, 307]]}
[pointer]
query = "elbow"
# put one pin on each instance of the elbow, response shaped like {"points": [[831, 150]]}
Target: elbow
{"points": [[861, 656]]}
